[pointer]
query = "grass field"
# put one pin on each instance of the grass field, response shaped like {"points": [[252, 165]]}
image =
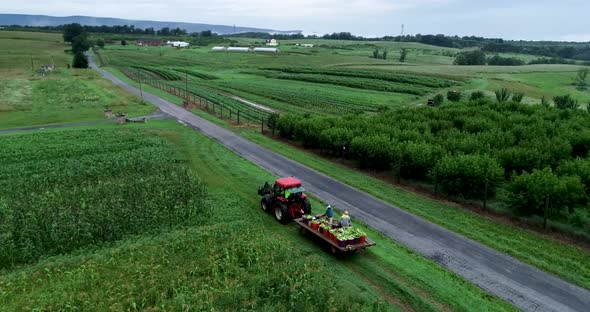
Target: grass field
{"points": [[66, 95], [275, 268]]}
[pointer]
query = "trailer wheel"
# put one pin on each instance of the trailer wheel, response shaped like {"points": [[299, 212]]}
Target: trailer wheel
{"points": [[303, 231], [335, 251], [264, 204], [281, 213]]}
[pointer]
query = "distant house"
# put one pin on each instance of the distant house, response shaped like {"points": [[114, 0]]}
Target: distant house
{"points": [[151, 42], [272, 42]]}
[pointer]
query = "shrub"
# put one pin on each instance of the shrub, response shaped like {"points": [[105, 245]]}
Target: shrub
{"points": [[476, 57], [545, 102], [517, 97], [467, 175], [532, 193], [440, 99], [454, 96], [565, 102], [477, 95], [505, 61], [80, 60], [502, 95]]}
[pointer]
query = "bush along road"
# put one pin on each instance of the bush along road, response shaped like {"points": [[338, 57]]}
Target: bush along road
{"points": [[520, 284]]}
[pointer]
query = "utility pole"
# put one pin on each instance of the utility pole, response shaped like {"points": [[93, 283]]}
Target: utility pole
{"points": [[186, 87], [402, 30], [32, 64]]}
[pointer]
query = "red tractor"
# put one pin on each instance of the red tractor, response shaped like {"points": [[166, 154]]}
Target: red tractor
{"points": [[286, 199]]}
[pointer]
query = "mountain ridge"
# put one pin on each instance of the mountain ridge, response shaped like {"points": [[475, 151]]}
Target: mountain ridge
{"points": [[8, 19]]}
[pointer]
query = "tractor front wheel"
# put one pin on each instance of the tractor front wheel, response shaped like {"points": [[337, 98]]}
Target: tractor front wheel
{"points": [[281, 213], [306, 206], [265, 204]]}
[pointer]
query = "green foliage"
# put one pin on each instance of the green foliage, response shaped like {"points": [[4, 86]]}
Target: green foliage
{"points": [[123, 42], [271, 121], [469, 175], [100, 43], [384, 54], [502, 95], [80, 43], [414, 141], [517, 97], [477, 95], [376, 53], [577, 167], [544, 193], [80, 60], [565, 102], [505, 61], [475, 57], [403, 55], [64, 190], [545, 102], [581, 77], [375, 151], [70, 31], [439, 99], [454, 96]]}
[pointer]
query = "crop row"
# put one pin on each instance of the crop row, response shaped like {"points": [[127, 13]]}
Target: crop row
{"points": [[63, 190], [313, 100], [431, 82], [354, 82], [166, 74], [195, 73]]}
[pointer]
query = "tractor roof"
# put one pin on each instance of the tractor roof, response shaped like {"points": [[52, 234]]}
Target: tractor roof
{"points": [[288, 182]]}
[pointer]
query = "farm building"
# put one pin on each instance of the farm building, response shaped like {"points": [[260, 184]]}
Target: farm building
{"points": [[177, 44], [151, 42], [238, 49], [305, 45], [218, 49], [267, 50], [272, 42]]}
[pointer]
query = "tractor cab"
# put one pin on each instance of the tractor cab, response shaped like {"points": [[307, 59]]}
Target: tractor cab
{"points": [[287, 189], [287, 199]]}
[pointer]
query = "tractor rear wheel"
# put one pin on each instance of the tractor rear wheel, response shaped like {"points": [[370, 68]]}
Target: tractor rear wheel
{"points": [[281, 213], [306, 206], [265, 204]]}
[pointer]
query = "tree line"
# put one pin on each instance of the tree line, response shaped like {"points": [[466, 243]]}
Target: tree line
{"points": [[469, 148], [479, 57], [116, 29]]}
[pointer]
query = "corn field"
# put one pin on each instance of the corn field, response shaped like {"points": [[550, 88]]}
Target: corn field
{"points": [[67, 189]]}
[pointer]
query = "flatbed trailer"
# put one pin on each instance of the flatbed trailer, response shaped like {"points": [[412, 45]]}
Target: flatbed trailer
{"points": [[334, 247]]}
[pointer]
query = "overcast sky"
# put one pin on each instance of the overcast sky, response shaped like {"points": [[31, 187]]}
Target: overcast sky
{"points": [[516, 19]]}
